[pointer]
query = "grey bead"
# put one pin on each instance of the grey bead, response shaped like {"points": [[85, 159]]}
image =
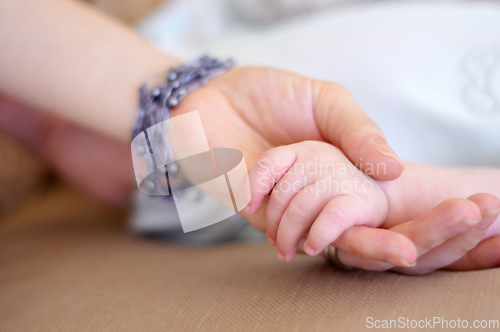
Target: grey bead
{"points": [[172, 76], [172, 102], [155, 92]]}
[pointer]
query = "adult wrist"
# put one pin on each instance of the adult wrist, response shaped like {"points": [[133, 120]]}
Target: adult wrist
{"points": [[140, 67]]}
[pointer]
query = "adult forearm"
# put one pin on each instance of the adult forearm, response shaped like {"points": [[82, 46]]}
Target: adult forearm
{"points": [[64, 57]]}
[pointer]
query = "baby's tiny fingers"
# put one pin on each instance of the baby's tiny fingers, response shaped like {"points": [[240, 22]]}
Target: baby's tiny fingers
{"points": [[295, 222], [266, 172], [292, 183], [339, 214]]}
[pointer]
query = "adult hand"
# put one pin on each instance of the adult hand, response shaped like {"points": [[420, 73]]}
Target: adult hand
{"points": [[255, 109], [444, 237]]}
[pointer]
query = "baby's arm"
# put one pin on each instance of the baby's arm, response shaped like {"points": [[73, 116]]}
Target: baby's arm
{"points": [[421, 187], [314, 193]]}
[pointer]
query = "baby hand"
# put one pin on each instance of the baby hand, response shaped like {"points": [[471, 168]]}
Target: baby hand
{"points": [[315, 192]]}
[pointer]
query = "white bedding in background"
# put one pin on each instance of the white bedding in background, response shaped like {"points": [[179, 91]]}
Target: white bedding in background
{"points": [[427, 72]]}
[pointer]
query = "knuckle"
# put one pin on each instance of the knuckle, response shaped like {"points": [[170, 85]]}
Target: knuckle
{"points": [[340, 90], [333, 214], [294, 214], [279, 199]]}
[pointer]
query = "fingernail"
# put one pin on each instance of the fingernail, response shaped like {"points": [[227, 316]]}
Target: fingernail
{"points": [[466, 224], [385, 150], [271, 240], [286, 257], [399, 261], [492, 212], [471, 222], [310, 250]]}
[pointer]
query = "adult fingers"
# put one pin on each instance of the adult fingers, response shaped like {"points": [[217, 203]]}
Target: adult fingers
{"points": [[440, 223], [375, 247], [457, 246], [433, 228], [343, 123], [485, 255]]}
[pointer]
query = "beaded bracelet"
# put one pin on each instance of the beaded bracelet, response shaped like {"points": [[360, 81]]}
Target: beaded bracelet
{"points": [[155, 104]]}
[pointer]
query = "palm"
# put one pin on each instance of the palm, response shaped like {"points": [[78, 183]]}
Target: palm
{"points": [[274, 109]]}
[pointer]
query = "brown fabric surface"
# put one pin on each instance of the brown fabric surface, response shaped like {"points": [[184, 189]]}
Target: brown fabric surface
{"points": [[20, 173], [91, 276]]}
